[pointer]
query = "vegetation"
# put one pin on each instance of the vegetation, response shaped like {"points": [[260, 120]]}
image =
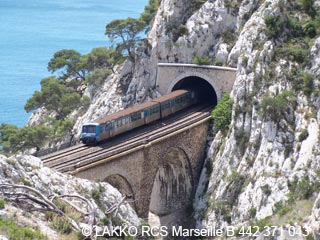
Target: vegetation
{"points": [[302, 189], [16, 232], [2, 204], [201, 60], [276, 107], [149, 12], [13, 139], [221, 114], [71, 63], [55, 96], [126, 31], [303, 135]]}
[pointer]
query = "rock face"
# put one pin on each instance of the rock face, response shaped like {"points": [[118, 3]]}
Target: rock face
{"points": [[29, 171]]}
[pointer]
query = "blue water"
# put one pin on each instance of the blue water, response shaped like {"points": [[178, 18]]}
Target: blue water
{"points": [[31, 31]]}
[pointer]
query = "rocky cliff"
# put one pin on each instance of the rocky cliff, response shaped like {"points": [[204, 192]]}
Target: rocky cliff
{"points": [[31, 193]]}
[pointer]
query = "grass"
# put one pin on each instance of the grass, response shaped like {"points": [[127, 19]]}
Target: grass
{"points": [[15, 232], [292, 213]]}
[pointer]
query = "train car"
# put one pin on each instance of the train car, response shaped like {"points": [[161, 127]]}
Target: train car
{"points": [[176, 101], [136, 116]]}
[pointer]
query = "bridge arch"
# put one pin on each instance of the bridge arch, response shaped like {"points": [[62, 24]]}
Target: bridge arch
{"points": [[172, 189], [122, 184]]}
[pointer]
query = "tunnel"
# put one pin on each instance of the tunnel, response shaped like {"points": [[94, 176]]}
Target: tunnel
{"points": [[204, 89]]}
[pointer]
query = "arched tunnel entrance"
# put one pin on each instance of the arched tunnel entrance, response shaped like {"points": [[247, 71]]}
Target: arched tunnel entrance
{"points": [[204, 89]]}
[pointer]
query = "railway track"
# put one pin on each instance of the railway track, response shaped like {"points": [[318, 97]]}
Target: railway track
{"points": [[78, 156]]}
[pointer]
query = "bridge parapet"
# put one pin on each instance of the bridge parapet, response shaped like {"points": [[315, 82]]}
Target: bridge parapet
{"points": [[220, 78]]}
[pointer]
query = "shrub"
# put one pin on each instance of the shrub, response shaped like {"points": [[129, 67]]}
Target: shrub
{"points": [[252, 212], [294, 52], [61, 224], [275, 26], [228, 36], [307, 84], [295, 27], [201, 60], [2, 204], [242, 138], [217, 62], [266, 189], [310, 29], [276, 107], [303, 188], [303, 135], [307, 6], [221, 114]]}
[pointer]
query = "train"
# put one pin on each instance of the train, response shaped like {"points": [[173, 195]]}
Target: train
{"points": [[128, 119]]}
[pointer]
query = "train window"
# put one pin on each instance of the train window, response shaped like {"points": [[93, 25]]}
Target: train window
{"points": [[123, 121], [135, 116], [89, 129]]}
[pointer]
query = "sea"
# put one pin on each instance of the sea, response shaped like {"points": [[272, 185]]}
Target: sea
{"points": [[31, 31]]}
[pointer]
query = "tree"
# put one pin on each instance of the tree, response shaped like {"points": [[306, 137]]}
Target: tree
{"points": [[149, 12], [54, 96], [127, 32], [71, 63], [103, 57], [98, 76], [30, 137], [7, 130], [14, 139]]}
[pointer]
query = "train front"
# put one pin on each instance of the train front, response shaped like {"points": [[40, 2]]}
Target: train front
{"points": [[90, 133]]}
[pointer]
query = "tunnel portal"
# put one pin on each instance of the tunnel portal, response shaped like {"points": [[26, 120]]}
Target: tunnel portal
{"points": [[204, 89]]}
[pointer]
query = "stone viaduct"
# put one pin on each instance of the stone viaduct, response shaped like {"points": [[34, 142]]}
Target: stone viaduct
{"points": [[162, 175]]}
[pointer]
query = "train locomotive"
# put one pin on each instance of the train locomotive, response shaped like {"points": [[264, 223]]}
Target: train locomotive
{"points": [[114, 124]]}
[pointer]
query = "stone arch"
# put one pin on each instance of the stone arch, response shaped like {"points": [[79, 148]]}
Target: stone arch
{"points": [[173, 185], [123, 186], [195, 74]]}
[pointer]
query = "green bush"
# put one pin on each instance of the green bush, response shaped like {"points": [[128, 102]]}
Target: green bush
{"points": [[201, 60], [307, 6], [2, 204], [276, 107], [294, 52], [310, 29], [222, 113], [307, 84], [62, 224], [303, 135], [242, 138], [303, 188], [266, 190], [275, 26], [252, 212]]}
